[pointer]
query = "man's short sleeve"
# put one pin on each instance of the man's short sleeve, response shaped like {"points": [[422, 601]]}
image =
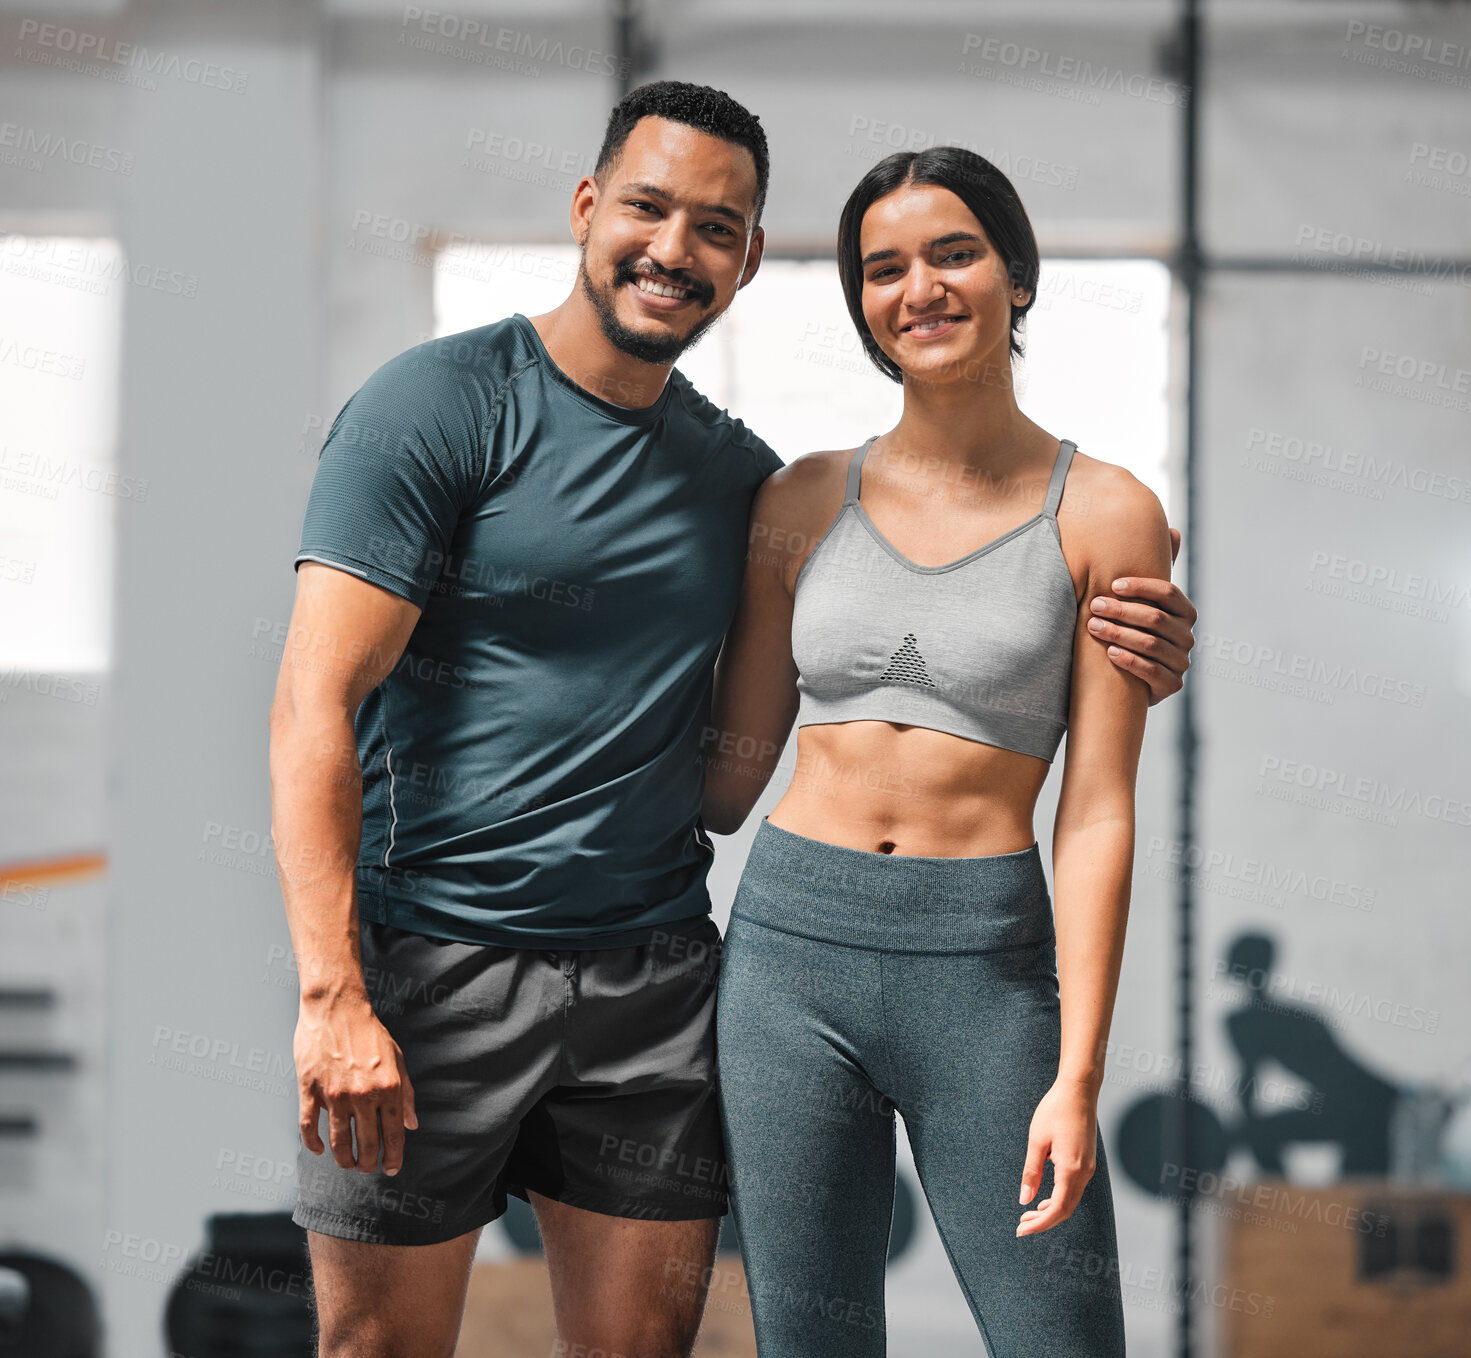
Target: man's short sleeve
{"points": [[403, 459], [741, 435], [767, 459]]}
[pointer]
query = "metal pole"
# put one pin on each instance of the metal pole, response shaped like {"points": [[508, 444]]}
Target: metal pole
{"points": [[1191, 268], [628, 43]]}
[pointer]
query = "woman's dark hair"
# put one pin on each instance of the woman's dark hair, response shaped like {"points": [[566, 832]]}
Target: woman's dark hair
{"points": [[701, 107], [981, 187]]}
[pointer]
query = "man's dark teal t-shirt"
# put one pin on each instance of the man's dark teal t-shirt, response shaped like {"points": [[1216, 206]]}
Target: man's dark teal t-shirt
{"points": [[531, 766]]}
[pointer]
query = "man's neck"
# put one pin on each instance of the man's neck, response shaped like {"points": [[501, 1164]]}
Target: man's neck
{"points": [[577, 345]]}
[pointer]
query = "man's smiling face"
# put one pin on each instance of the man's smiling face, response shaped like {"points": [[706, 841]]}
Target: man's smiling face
{"points": [[667, 240]]}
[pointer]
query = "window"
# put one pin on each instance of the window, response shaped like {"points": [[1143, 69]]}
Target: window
{"points": [[786, 360], [60, 332]]}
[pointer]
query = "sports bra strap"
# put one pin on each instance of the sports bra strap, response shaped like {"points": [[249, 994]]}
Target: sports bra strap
{"points": [[1059, 475], [854, 463], [1054, 487]]}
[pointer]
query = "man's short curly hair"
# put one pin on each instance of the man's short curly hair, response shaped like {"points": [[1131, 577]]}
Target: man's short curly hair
{"points": [[699, 106]]}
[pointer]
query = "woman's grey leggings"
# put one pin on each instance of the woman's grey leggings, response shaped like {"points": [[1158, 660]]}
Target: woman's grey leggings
{"points": [[853, 984]]}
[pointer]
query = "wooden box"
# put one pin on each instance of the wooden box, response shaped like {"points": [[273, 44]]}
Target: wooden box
{"points": [[1361, 1267]]}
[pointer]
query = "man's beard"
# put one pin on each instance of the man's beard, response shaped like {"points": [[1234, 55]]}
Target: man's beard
{"points": [[647, 349]]}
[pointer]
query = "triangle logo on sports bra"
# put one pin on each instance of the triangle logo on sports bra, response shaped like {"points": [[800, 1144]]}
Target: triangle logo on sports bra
{"points": [[906, 665]]}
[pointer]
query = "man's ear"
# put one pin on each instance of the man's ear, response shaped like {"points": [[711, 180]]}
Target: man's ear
{"points": [[754, 252], [584, 204]]}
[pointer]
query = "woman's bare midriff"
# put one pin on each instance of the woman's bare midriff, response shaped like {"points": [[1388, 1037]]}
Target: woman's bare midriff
{"points": [[885, 788]]}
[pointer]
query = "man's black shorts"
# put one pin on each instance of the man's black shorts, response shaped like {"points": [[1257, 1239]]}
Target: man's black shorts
{"points": [[587, 1076]]}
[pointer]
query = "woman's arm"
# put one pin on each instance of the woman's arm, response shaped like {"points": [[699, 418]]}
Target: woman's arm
{"points": [[1093, 846], [755, 695], [1145, 624]]}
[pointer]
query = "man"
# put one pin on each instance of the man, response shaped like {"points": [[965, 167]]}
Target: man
{"points": [[522, 549]]}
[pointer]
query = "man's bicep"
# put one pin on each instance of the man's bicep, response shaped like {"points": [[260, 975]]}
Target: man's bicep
{"points": [[346, 635], [384, 514], [401, 465]]}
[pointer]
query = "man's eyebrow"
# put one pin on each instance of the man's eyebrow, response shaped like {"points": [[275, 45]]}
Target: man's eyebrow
{"points": [[716, 209], [929, 245]]}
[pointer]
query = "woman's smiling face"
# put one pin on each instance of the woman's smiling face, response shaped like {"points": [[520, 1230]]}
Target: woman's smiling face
{"points": [[936, 294]]}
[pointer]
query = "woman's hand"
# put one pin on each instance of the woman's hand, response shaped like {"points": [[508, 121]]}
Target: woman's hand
{"points": [[1065, 1131]]}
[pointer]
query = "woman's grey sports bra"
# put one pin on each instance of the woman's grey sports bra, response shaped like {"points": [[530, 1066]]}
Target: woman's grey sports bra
{"points": [[981, 647]]}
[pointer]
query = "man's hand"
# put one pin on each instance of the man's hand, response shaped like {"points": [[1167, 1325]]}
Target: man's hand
{"points": [[347, 1063], [1151, 638]]}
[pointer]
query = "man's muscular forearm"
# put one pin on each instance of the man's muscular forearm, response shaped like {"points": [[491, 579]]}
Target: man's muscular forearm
{"points": [[316, 826], [347, 1064]]}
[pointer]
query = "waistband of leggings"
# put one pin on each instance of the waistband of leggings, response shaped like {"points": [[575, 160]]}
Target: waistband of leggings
{"points": [[893, 902]]}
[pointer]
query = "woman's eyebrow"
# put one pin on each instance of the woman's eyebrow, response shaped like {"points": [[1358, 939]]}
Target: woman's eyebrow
{"points": [[929, 245]]}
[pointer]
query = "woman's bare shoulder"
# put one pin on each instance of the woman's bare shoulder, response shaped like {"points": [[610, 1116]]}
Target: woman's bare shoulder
{"points": [[797, 504], [1107, 511], [1095, 487]]}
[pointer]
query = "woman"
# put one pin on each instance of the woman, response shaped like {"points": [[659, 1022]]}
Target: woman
{"points": [[892, 941]]}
